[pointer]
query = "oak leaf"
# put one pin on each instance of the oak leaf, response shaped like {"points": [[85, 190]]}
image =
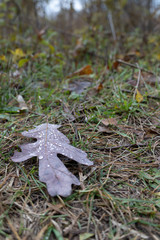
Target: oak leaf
{"points": [[52, 171]]}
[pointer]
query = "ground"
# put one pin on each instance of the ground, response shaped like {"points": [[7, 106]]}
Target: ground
{"points": [[112, 113]]}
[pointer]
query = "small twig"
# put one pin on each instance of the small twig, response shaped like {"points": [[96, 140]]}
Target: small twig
{"points": [[153, 97], [134, 66]]}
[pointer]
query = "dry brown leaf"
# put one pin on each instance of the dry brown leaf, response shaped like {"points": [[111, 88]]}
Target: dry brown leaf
{"points": [[105, 130], [148, 78], [79, 85], [86, 70], [152, 79], [109, 121], [115, 65], [99, 87]]}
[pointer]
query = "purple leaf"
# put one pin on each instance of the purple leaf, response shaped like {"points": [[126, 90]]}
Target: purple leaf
{"points": [[52, 171]]}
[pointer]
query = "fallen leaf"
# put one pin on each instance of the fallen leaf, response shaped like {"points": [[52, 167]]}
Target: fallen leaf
{"points": [[5, 117], [22, 62], [152, 79], [22, 105], [86, 70], [79, 85], [109, 121], [148, 78], [3, 58], [85, 236], [115, 65], [9, 109], [17, 54], [139, 97], [99, 87], [105, 129], [52, 171]]}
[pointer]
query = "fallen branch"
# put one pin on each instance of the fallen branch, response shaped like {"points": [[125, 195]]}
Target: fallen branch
{"points": [[148, 96], [134, 66]]}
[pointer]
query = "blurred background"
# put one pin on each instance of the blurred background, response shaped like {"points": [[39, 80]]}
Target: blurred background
{"points": [[89, 26]]}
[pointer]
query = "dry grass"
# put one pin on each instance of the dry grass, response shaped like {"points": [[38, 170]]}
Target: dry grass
{"points": [[119, 197]]}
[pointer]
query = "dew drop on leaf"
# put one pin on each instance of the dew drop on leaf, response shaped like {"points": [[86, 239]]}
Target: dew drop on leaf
{"points": [[51, 142]]}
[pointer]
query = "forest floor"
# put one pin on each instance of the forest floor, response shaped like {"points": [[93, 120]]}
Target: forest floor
{"points": [[111, 110]]}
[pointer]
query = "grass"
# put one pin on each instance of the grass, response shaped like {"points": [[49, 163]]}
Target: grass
{"points": [[119, 197]]}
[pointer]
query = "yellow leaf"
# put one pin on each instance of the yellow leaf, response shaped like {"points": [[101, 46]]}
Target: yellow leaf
{"points": [[22, 62], [51, 48], [3, 58], [157, 56], [139, 97], [17, 54]]}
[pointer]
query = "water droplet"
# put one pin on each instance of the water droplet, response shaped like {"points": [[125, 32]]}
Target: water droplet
{"points": [[48, 165], [40, 157]]}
